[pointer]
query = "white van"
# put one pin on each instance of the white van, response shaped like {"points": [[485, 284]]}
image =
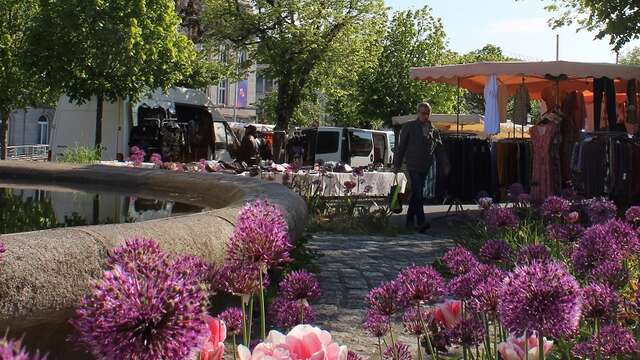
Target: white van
{"points": [[338, 144], [384, 142]]}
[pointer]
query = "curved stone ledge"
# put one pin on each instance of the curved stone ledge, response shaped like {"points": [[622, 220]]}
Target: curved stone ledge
{"points": [[46, 272]]}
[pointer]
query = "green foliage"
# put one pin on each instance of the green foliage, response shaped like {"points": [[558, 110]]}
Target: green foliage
{"points": [[617, 19], [632, 57], [293, 37], [83, 155], [413, 38], [307, 113], [19, 86]]}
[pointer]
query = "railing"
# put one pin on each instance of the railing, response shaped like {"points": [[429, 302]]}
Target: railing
{"points": [[28, 152]]}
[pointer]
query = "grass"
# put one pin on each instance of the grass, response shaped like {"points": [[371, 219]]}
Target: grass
{"points": [[83, 155]]}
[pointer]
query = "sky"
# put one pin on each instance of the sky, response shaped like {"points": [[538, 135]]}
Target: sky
{"points": [[518, 27]]}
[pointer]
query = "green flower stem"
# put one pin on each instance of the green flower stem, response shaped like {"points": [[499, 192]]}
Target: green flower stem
{"points": [[235, 347], [263, 325], [596, 332], [526, 346], [419, 350], [541, 346], [432, 352], [380, 349], [245, 326], [250, 328], [496, 333]]}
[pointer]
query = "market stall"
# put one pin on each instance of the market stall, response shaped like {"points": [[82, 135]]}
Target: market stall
{"points": [[559, 157]]}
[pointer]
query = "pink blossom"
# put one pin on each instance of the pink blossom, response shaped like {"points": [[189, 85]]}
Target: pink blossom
{"points": [[448, 313], [513, 348], [301, 343], [214, 347], [572, 217]]}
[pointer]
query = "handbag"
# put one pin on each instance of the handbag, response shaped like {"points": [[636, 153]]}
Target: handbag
{"points": [[395, 203]]}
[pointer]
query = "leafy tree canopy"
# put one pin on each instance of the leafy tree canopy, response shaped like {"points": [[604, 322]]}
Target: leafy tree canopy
{"points": [[617, 19], [632, 57]]}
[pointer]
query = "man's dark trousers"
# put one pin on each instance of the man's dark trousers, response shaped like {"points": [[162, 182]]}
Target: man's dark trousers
{"points": [[416, 204]]}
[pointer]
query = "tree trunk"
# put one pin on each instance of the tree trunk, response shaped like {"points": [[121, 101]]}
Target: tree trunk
{"points": [[99, 107], [4, 135]]}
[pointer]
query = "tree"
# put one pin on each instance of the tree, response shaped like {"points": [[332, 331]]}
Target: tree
{"points": [[632, 57], [19, 87], [617, 19], [413, 38], [110, 49], [292, 37]]}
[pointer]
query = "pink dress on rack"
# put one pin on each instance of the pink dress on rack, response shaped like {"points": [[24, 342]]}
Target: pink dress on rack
{"points": [[542, 136]]}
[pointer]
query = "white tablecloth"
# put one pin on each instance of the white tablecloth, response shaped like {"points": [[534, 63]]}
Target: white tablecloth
{"points": [[333, 184]]}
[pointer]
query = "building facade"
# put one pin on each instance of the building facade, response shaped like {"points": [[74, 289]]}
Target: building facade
{"points": [[30, 126]]}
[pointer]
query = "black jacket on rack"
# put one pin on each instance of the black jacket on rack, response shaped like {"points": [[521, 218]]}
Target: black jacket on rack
{"points": [[470, 167]]}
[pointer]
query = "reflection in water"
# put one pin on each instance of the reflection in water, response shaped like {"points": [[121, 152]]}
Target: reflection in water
{"points": [[33, 209]]}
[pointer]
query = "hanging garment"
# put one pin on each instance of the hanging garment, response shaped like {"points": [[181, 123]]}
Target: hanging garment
{"points": [[521, 104], [632, 102], [491, 107], [604, 86], [503, 101], [542, 137]]}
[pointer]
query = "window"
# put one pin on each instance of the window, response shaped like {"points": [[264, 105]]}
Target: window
{"points": [[361, 143], [263, 85], [327, 142], [222, 91], [43, 130]]}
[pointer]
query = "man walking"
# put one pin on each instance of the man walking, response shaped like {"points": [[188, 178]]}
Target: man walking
{"points": [[418, 142]]}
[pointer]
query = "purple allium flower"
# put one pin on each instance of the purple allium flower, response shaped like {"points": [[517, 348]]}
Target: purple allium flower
{"points": [[459, 260], [462, 286], [514, 192], [541, 297], [193, 266], [398, 352], [144, 314], [496, 252], [261, 236], [13, 350], [156, 159], [286, 314], [555, 207], [375, 324], [138, 255], [484, 298], [386, 299], [624, 236], [564, 232], [420, 284], [612, 342], [299, 285], [611, 273], [500, 217], [632, 216], [533, 253], [3, 249], [595, 248], [600, 302], [485, 203], [600, 210], [467, 332], [414, 320], [232, 318], [239, 279]]}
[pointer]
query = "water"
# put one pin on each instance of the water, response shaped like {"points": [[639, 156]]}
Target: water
{"points": [[38, 208]]}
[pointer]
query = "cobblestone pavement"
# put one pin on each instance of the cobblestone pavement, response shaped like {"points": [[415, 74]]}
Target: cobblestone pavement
{"points": [[351, 265]]}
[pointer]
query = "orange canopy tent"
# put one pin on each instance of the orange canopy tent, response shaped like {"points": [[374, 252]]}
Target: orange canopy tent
{"points": [[535, 75]]}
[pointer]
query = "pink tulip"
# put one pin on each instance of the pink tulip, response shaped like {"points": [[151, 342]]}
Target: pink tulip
{"points": [[214, 348], [449, 313], [513, 348], [573, 217], [303, 342]]}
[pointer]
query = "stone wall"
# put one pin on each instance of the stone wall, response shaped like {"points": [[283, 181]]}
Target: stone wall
{"points": [[44, 273]]}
